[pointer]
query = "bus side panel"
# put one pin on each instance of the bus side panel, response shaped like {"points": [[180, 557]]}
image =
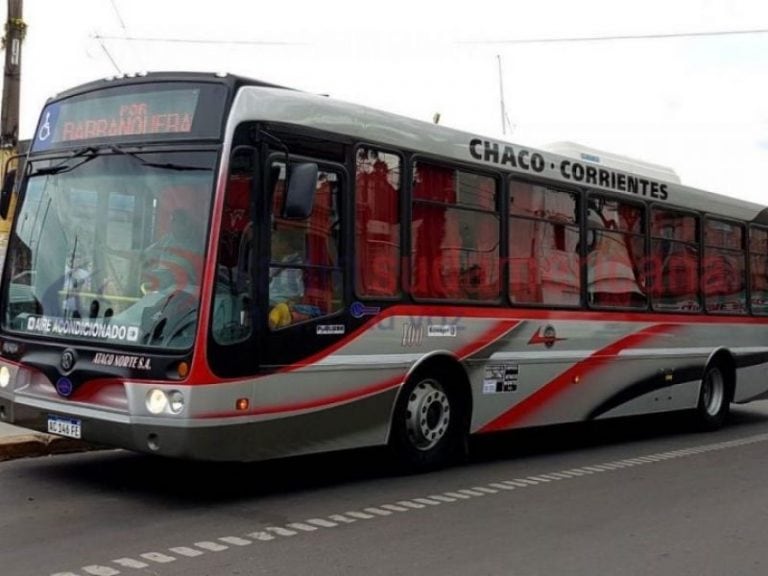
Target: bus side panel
{"points": [[751, 383], [599, 369]]}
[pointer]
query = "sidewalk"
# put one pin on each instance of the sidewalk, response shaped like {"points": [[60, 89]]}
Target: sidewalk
{"points": [[18, 442]]}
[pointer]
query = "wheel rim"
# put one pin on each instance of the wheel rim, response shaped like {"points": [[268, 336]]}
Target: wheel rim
{"points": [[427, 414], [713, 391]]}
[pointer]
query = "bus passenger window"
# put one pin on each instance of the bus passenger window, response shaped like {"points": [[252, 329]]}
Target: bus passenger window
{"points": [[454, 235], [616, 258], [673, 266], [724, 273], [758, 270], [377, 223], [543, 246]]}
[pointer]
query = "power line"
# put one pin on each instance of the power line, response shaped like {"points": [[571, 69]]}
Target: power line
{"points": [[103, 47], [552, 40], [619, 37], [100, 38], [119, 17]]}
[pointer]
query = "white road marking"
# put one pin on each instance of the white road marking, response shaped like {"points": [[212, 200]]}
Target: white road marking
{"points": [[185, 551], [360, 515], [484, 489], [428, 501], [527, 481], [100, 570], [212, 546], [301, 526], [261, 536], [313, 524], [130, 563], [411, 505], [377, 511], [393, 507], [470, 492], [158, 557], [281, 531], [322, 523], [458, 495], [442, 498], [341, 518], [235, 541]]}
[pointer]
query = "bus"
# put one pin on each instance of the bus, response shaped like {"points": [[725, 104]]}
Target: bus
{"points": [[212, 267]]}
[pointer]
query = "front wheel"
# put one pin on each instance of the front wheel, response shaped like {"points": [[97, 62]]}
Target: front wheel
{"points": [[714, 402], [429, 428]]}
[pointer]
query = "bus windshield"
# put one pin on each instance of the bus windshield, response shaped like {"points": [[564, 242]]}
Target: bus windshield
{"points": [[109, 247]]}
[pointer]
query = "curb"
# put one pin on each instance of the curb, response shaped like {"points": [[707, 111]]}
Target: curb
{"points": [[31, 445]]}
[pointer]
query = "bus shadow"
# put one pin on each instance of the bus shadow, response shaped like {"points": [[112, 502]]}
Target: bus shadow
{"points": [[180, 484], [620, 431]]}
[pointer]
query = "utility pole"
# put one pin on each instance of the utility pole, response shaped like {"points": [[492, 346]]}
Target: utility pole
{"points": [[15, 29], [501, 98], [504, 116]]}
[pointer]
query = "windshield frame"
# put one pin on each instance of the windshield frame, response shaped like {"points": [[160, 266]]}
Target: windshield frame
{"points": [[138, 162]]}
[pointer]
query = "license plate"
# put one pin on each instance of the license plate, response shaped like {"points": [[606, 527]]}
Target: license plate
{"points": [[69, 427]]}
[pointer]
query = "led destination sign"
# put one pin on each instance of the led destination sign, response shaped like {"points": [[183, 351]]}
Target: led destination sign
{"points": [[147, 112], [133, 118]]}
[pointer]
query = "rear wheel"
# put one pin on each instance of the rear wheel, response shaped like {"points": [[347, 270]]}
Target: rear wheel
{"points": [[429, 428], [714, 399]]}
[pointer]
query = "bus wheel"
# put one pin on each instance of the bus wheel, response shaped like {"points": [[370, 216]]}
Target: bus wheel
{"points": [[714, 401], [428, 430]]}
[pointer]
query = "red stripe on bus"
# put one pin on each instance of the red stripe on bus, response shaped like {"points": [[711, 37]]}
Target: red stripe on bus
{"points": [[201, 374], [489, 337], [485, 339], [573, 375]]}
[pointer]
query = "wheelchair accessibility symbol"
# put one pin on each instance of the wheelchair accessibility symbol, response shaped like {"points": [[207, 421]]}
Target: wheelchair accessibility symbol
{"points": [[45, 129]]}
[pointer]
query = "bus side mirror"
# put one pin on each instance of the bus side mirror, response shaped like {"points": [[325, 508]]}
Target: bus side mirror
{"points": [[5, 196], [300, 196]]}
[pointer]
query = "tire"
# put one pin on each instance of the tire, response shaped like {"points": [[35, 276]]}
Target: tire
{"points": [[429, 427], [714, 399]]}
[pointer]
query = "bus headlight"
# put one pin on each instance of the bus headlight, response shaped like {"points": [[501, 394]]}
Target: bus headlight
{"points": [[157, 401], [5, 377], [176, 402], [163, 402]]}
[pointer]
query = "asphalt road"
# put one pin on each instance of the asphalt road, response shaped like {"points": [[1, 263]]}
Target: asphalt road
{"points": [[645, 496]]}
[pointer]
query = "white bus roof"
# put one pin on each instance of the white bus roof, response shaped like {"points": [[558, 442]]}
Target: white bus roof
{"points": [[258, 103]]}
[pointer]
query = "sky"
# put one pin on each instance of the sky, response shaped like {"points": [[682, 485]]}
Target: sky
{"points": [[697, 104]]}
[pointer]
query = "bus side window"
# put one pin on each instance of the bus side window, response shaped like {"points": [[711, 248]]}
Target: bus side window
{"points": [[543, 246], [758, 270], [377, 223], [673, 273], [615, 273], [454, 234], [232, 299]]}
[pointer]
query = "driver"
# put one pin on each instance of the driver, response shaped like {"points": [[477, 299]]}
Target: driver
{"points": [[176, 259]]}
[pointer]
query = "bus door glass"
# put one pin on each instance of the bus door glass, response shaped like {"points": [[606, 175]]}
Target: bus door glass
{"points": [[305, 279]]}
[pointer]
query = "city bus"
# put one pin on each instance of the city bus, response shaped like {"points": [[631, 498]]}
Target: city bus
{"points": [[212, 267]]}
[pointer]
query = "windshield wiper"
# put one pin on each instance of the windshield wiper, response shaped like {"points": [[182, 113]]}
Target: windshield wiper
{"points": [[163, 165], [89, 152]]}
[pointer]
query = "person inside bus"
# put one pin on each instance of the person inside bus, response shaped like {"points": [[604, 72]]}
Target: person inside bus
{"points": [[176, 258], [286, 281]]}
